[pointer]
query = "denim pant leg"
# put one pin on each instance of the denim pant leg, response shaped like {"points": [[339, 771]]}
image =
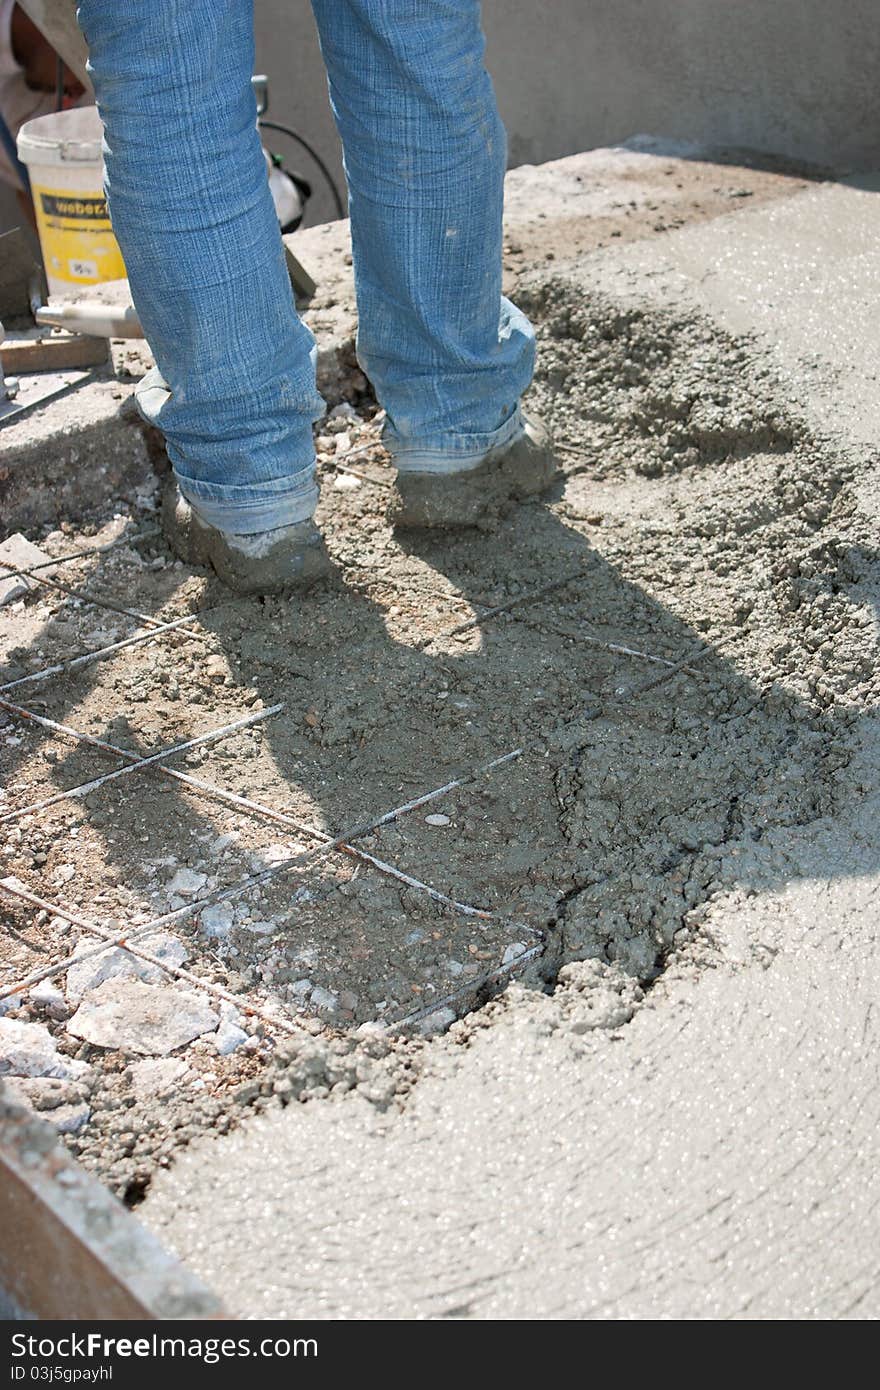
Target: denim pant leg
{"points": [[235, 391], [425, 156]]}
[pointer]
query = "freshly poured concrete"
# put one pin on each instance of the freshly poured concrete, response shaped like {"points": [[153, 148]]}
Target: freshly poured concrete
{"points": [[716, 1156], [801, 272]]}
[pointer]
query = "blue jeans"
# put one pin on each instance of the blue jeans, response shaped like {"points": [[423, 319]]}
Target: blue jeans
{"points": [[425, 153]]}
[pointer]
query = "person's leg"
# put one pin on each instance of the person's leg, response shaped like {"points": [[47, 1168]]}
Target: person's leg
{"points": [[234, 392], [425, 156]]}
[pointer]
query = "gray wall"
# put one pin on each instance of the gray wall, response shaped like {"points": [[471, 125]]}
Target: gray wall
{"points": [[793, 77]]}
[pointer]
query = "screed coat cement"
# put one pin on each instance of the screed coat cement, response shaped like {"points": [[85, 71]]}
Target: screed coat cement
{"points": [[714, 1157], [717, 1158]]}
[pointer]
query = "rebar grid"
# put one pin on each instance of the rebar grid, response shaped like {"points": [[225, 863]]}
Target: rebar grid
{"points": [[126, 540], [73, 663], [293, 863], [213, 791], [327, 844]]}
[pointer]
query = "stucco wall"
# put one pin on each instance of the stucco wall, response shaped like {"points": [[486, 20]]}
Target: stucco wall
{"points": [[795, 77]]}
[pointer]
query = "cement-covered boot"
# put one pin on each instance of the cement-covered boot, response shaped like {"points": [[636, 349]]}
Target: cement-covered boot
{"points": [[521, 469], [286, 558]]}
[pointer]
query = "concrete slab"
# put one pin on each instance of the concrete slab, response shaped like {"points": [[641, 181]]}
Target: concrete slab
{"points": [[69, 1250], [71, 456]]}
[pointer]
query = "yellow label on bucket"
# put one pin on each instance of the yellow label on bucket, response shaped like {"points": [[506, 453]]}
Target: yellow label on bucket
{"points": [[76, 236]]}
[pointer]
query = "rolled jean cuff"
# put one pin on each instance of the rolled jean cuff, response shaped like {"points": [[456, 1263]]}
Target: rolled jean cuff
{"points": [[451, 453], [243, 511]]}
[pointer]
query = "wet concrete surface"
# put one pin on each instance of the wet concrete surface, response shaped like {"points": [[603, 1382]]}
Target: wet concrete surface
{"points": [[716, 1158]]}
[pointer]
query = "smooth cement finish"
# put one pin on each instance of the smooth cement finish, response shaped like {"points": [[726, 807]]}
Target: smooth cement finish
{"points": [[717, 1156]]}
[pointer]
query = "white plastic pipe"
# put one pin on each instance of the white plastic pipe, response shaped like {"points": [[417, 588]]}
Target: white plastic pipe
{"points": [[95, 320]]}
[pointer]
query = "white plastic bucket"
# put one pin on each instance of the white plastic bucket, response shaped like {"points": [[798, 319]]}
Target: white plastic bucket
{"points": [[63, 156]]}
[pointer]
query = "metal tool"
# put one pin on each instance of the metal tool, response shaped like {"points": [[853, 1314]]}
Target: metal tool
{"points": [[34, 390]]}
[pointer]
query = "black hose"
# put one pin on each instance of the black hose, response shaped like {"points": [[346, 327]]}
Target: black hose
{"points": [[331, 182]]}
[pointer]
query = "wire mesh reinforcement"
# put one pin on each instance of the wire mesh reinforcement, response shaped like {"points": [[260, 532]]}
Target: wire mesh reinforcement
{"points": [[217, 793], [326, 845]]}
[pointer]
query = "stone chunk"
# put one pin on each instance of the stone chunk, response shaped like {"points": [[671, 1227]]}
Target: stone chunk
{"points": [[117, 963], [154, 1075], [20, 553], [324, 1000], [437, 1022], [47, 994], [70, 1119], [228, 1037], [28, 1049], [513, 952], [143, 1018], [216, 668], [259, 928], [218, 919], [186, 883]]}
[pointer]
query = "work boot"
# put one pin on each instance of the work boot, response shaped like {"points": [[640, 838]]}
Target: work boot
{"points": [[472, 498], [286, 558]]}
